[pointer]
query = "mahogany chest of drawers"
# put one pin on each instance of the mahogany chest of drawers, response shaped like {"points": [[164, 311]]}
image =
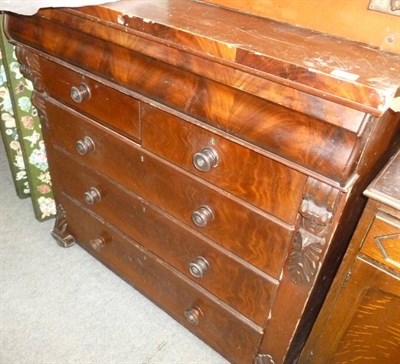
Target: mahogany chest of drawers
{"points": [[214, 160]]}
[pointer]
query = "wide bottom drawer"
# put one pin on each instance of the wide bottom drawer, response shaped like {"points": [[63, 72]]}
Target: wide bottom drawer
{"points": [[231, 334]]}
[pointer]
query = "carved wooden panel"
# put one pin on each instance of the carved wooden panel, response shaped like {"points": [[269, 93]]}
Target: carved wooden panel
{"points": [[316, 211], [382, 242]]}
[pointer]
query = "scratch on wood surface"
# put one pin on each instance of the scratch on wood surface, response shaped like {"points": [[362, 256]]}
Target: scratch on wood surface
{"points": [[345, 75], [314, 70], [263, 37]]}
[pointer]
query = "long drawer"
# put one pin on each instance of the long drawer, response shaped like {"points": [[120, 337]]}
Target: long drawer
{"points": [[198, 258], [249, 233], [229, 333], [259, 180]]}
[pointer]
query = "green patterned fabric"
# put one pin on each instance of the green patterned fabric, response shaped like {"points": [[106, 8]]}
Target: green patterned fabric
{"points": [[28, 132], [10, 136]]}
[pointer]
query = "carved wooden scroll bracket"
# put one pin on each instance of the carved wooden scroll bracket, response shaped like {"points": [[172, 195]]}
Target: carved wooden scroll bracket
{"points": [[263, 359], [316, 212], [38, 101], [60, 232], [30, 66]]}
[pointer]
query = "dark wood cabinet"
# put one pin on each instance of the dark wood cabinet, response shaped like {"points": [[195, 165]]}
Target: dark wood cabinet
{"points": [[360, 320], [214, 160]]}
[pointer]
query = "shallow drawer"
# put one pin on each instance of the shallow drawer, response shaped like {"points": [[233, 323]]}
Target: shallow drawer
{"points": [[259, 180], [107, 105], [228, 332], [198, 258], [382, 242], [249, 233]]}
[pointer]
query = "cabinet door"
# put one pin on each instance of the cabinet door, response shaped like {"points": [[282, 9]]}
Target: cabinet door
{"points": [[364, 326]]}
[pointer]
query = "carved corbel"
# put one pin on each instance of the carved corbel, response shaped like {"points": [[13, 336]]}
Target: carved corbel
{"points": [[30, 69], [263, 359], [38, 101], [315, 213], [60, 230], [30, 66], [305, 257]]}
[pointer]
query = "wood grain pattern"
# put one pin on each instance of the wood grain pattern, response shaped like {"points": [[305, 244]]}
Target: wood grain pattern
{"points": [[373, 334], [256, 42], [364, 325], [118, 110], [229, 75], [232, 335], [305, 140], [373, 28], [382, 241], [244, 173], [232, 280], [235, 226], [360, 320], [303, 118]]}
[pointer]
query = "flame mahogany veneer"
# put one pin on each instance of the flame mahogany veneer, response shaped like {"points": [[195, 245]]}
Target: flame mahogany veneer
{"points": [[214, 160]]}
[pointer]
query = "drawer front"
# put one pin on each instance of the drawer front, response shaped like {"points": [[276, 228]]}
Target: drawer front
{"points": [[231, 334], [107, 105], [382, 242], [247, 232], [212, 267], [249, 175]]}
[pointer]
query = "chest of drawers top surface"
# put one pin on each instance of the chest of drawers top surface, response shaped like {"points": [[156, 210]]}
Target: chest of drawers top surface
{"points": [[343, 71]]}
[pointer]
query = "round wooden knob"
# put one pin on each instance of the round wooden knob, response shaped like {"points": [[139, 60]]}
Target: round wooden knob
{"points": [[97, 243], [198, 267], [84, 146], [80, 93], [206, 159], [193, 315], [92, 196], [202, 216]]}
